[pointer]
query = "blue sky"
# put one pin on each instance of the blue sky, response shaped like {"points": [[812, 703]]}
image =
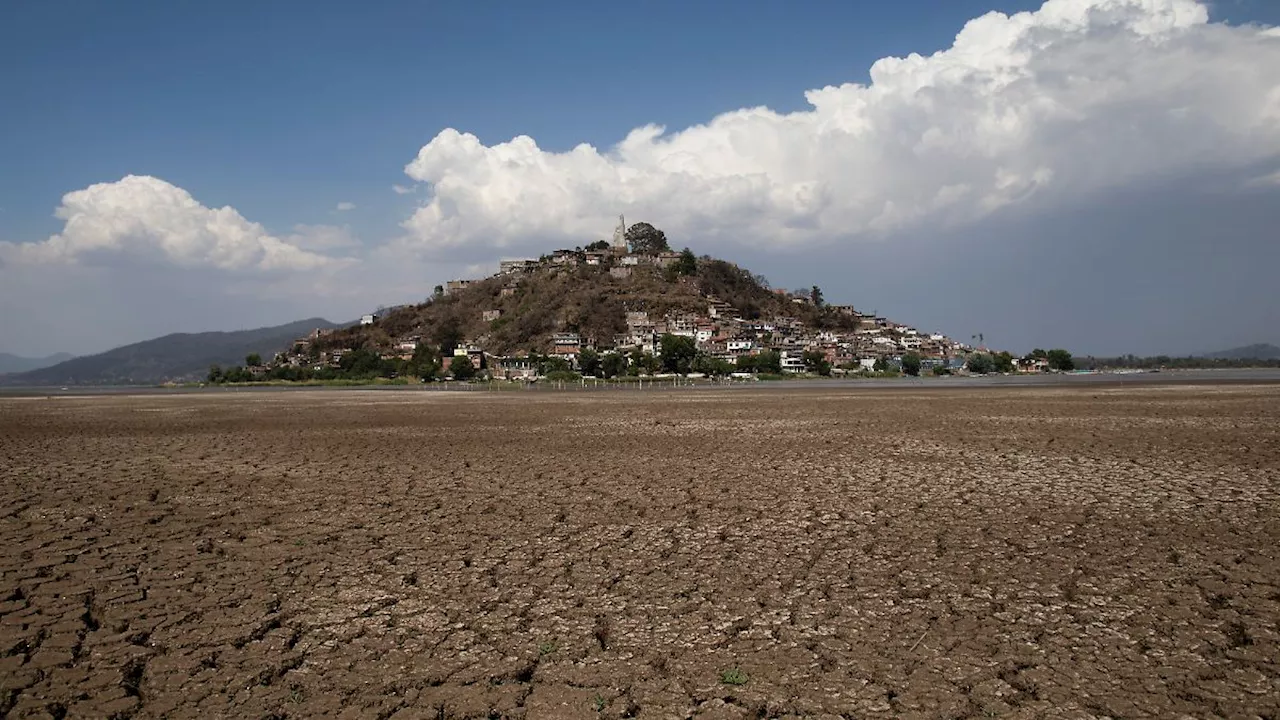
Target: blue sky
{"points": [[282, 110]]}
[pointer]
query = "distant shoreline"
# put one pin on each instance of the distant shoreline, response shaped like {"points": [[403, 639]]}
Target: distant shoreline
{"points": [[1083, 379]]}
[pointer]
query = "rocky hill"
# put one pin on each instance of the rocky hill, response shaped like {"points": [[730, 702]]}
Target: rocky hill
{"points": [[520, 312], [180, 356]]}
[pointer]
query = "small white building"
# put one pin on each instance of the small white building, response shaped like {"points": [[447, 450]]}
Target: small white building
{"points": [[368, 319]]}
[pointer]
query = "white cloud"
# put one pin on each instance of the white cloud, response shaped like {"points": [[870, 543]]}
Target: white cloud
{"points": [[322, 237], [1031, 109], [403, 190], [148, 216], [345, 206]]}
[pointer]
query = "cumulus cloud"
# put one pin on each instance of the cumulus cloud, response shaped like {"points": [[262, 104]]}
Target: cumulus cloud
{"points": [[1026, 110], [402, 190], [344, 206], [147, 216]]}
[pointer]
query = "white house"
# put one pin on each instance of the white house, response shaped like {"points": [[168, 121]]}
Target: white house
{"points": [[368, 319]]}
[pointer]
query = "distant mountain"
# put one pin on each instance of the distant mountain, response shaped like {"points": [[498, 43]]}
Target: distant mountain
{"points": [[16, 363], [1261, 351], [180, 356]]}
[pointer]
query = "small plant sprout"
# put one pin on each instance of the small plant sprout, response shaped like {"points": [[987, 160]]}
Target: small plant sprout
{"points": [[734, 676], [599, 702]]}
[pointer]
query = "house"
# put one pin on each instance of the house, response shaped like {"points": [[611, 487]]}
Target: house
{"points": [[507, 290], [867, 364], [663, 259], [630, 260], [454, 286], [515, 367], [1031, 365], [515, 267], [620, 272], [792, 362], [740, 346], [490, 315], [566, 345], [566, 257], [474, 354], [368, 319], [595, 257]]}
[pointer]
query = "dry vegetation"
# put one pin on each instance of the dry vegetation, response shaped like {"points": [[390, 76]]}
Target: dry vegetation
{"points": [[939, 554]]}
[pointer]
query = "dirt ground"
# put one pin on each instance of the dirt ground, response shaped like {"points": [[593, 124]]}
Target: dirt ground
{"points": [[1018, 553]]}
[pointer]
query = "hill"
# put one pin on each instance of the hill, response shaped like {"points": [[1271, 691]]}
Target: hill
{"points": [[516, 313], [16, 363], [1260, 351], [176, 357]]}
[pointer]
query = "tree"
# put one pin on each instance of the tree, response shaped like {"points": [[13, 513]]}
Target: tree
{"points": [[437, 292], [215, 374], [361, 363], [815, 296], [461, 368], [687, 264], [1002, 362], [598, 245], [645, 239], [253, 360], [980, 363], [1060, 359], [711, 365], [1037, 354], [448, 336], [425, 363], [816, 362], [769, 361], [881, 365], [911, 364], [613, 364], [678, 353], [589, 362]]}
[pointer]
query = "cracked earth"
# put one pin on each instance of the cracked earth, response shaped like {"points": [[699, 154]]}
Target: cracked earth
{"points": [[853, 553]]}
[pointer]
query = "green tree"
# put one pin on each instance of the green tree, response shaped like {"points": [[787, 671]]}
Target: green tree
{"points": [[816, 362], [980, 363], [215, 374], [1002, 362], [253, 360], [447, 336], [425, 363], [437, 292], [589, 362], [1060, 359], [881, 365], [361, 364], [461, 368], [1038, 354], [711, 365], [598, 245], [911, 364], [687, 264], [815, 296], [613, 364], [769, 361], [678, 353], [645, 239]]}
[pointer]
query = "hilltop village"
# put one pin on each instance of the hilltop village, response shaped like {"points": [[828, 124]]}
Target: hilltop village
{"points": [[627, 307]]}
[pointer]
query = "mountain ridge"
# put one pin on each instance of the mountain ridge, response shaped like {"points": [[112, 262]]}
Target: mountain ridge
{"points": [[172, 357], [1257, 351], [10, 363]]}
